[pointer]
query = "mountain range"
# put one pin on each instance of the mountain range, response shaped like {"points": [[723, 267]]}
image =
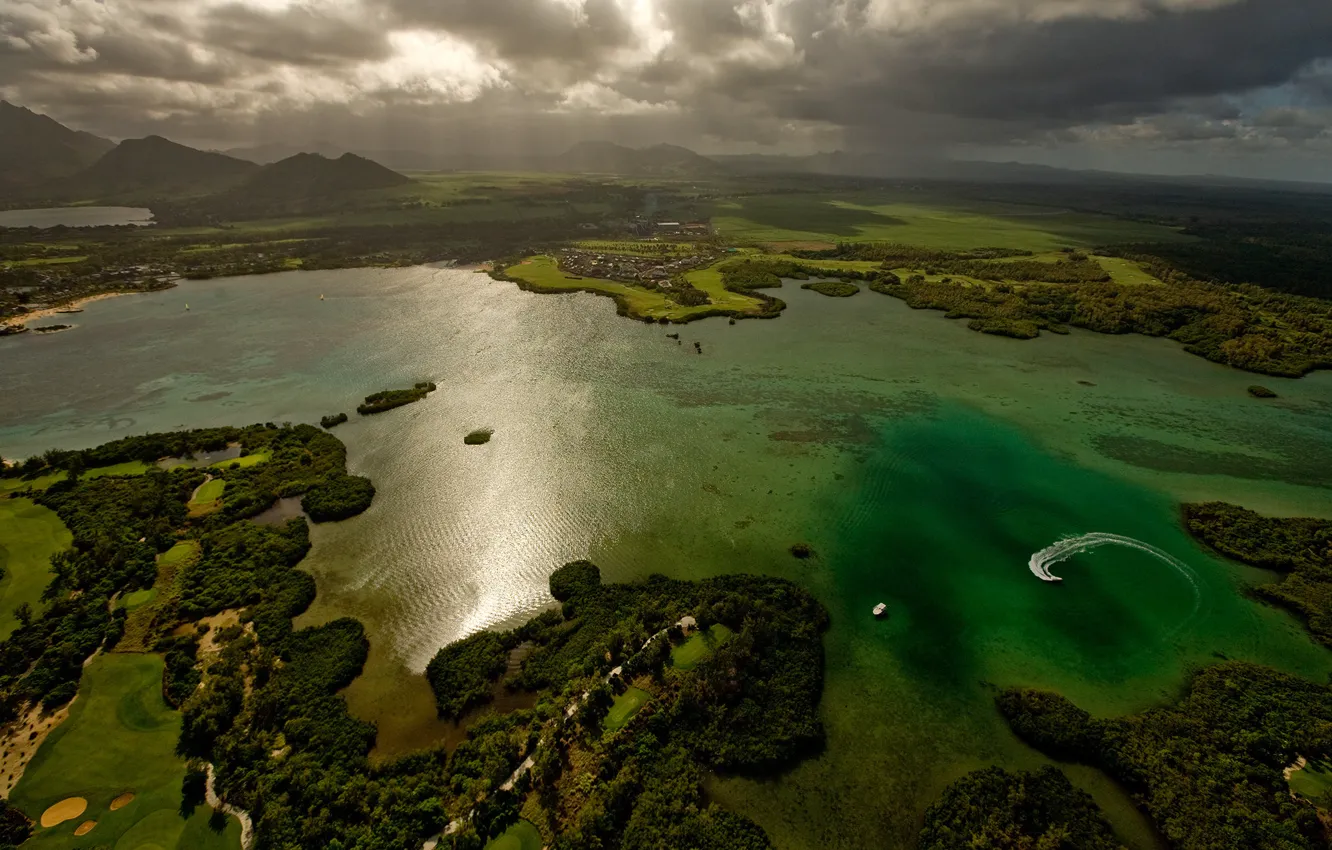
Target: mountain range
{"points": [[43, 160], [46, 161], [141, 169], [35, 149]]}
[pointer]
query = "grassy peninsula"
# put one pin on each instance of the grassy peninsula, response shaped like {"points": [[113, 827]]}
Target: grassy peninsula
{"points": [[622, 735]]}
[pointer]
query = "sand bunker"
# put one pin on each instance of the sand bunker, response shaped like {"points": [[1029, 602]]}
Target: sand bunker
{"points": [[122, 801], [67, 809], [85, 827]]}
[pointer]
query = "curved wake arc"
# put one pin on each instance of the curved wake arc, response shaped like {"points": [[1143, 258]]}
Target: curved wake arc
{"points": [[1041, 562]]}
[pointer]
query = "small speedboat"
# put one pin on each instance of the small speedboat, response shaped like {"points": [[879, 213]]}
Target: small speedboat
{"points": [[880, 610]]}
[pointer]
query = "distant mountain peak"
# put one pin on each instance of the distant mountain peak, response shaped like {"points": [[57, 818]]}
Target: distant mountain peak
{"points": [[36, 148], [305, 175], [154, 167], [660, 159]]}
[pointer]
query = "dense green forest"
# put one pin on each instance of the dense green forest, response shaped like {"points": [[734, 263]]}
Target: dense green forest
{"points": [[993, 808], [1207, 769], [754, 705], [460, 674], [993, 264], [751, 705], [118, 525], [1244, 326], [1299, 547], [121, 523], [832, 288], [1290, 255], [264, 708]]}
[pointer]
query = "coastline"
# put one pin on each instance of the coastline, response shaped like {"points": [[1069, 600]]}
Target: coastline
{"points": [[55, 309]]}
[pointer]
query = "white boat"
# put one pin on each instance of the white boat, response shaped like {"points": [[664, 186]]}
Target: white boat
{"points": [[880, 609]]}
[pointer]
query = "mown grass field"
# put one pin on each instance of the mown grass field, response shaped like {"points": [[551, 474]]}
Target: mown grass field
{"points": [[143, 605], [120, 736], [1314, 782], [246, 461], [29, 535], [133, 467], [134, 599], [14, 485], [687, 655], [523, 835], [626, 705], [855, 217], [42, 261], [208, 495], [543, 274]]}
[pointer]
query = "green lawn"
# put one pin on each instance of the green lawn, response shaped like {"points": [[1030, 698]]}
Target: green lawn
{"points": [[133, 467], [543, 274], [179, 553], [29, 535], [858, 217], [1314, 782], [42, 261], [626, 705], [120, 736], [208, 493], [247, 461], [143, 604], [136, 598], [1126, 272], [832, 265], [709, 280], [12, 485], [687, 655], [523, 835]]}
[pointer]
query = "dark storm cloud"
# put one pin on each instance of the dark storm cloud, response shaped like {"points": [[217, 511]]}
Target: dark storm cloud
{"points": [[299, 35], [1062, 71], [872, 74], [576, 35]]}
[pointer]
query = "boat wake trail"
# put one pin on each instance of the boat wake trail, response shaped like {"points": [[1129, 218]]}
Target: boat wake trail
{"points": [[1042, 561]]}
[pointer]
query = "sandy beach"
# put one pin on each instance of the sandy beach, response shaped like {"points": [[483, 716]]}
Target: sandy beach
{"points": [[54, 310]]}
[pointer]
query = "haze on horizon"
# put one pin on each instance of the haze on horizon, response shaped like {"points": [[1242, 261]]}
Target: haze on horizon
{"points": [[1235, 87]]}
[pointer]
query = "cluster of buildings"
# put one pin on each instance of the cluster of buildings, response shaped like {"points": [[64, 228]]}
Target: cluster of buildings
{"points": [[629, 268], [645, 227], [42, 289]]}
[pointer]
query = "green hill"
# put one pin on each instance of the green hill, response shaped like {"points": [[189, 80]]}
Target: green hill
{"points": [[298, 185], [35, 149], [154, 168], [658, 160], [309, 175]]}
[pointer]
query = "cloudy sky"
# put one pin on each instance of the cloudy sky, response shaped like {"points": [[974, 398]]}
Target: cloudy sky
{"points": [[1230, 86]]}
